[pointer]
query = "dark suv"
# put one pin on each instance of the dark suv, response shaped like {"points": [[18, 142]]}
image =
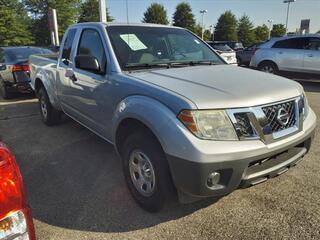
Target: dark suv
{"points": [[14, 69]]}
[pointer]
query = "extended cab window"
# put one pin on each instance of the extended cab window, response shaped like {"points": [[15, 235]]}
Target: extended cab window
{"points": [[293, 43], [91, 44], [68, 46]]}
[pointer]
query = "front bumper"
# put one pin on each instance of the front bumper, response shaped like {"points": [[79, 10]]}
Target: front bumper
{"points": [[240, 164]]}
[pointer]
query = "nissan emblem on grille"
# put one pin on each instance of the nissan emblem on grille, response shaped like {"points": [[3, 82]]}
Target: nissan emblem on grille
{"points": [[280, 116], [283, 116]]}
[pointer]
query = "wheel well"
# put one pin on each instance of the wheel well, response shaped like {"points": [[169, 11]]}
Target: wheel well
{"points": [[128, 126], [38, 85], [267, 61]]}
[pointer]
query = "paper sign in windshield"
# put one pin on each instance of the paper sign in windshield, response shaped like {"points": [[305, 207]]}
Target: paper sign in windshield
{"points": [[133, 42]]}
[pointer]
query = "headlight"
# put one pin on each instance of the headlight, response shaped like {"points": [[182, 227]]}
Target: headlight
{"points": [[209, 124]]}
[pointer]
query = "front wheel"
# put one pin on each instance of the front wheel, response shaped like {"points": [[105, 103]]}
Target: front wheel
{"points": [[146, 171], [268, 67], [49, 115]]}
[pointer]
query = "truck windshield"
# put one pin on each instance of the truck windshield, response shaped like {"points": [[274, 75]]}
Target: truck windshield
{"points": [[144, 46]]}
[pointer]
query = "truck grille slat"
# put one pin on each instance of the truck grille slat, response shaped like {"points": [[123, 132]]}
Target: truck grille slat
{"points": [[268, 122], [243, 126], [271, 113]]}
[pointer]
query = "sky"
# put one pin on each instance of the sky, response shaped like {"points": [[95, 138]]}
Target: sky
{"points": [[259, 11]]}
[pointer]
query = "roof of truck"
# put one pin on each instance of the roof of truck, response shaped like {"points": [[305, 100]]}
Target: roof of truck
{"points": [[124, 24]]}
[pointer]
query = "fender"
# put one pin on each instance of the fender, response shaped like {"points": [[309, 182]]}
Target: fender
{"points": [[48, 80], [161, 120], [266, 56]]}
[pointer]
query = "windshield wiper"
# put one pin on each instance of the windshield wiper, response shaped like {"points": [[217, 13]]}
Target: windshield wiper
{"points": [[169, 64], [203, 62], [147, 65]]}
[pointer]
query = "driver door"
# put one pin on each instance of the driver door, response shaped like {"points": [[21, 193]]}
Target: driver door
{"points": [[86, 96]]}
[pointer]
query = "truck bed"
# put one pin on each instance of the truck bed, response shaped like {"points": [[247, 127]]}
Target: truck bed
{"points": [[43, 64]]}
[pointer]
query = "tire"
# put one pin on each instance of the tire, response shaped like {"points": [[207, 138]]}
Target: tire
{"points": [[239, 62], [49, 115], [4, 91], [142, 148], [268, 67]]}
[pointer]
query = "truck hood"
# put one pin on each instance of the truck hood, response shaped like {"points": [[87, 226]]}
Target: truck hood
{"points": [[222, 86]]}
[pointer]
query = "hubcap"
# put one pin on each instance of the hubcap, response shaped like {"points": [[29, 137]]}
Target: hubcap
{"points": [[268, 69], [43, 107], [142, 173]]}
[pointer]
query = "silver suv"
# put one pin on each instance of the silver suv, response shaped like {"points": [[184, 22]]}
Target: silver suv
{"points": [[289, 54]]}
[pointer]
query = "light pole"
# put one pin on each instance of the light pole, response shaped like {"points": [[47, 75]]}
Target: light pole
{"points": [[202, 26], [288, 8], [270, 21], [102, 11]]}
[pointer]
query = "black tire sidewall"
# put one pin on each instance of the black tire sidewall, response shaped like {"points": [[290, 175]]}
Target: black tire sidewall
{"points": [[42, 95], [53, 116], [3, 90], [147, 144]]}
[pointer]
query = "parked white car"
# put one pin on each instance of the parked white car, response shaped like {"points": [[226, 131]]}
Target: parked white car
{"points": [[289, 54], [227, 53]]}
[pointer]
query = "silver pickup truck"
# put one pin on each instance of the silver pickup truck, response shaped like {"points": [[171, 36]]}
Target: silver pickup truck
{"points": [[185, 123]]}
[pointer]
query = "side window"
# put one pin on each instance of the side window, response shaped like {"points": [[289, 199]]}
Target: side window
{"points": [[313, 44], [68, 46], [91, 44], [294, 43]]}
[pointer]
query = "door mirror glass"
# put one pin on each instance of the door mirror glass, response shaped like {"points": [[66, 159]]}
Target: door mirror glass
{"points": [[88, 63]]}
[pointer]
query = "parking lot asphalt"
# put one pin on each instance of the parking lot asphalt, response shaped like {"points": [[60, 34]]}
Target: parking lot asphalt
{"points": [[77, 191]]}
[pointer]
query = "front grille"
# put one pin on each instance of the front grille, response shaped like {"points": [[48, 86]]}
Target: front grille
{"points": [[271, 113], [243, 126]]}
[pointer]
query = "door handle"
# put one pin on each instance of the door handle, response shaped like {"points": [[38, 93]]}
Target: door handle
{"points": [[310, 55], [70, 74], [280, 52]]}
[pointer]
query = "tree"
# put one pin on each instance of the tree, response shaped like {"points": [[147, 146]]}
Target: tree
{"points": [[14, 24], [183, 16], [261, 33], [245, 31], [318, 32], [89, 12], [197, 29], [67, 14], [278, 30], [226, 28], [207, 36], [156, 13]]}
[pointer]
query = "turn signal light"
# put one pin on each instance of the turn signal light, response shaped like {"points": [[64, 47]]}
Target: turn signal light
{"points": [[187, 119]]}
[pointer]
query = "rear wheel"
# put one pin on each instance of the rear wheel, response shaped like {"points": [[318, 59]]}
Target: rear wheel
{"points": [[146, 171], [4, 91], [268, 67], [49, 115], [239, 62]]}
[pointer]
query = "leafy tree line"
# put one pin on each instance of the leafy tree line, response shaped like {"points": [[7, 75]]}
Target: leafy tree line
{"points": [[26, 22], [228, 26], [243, 30]]}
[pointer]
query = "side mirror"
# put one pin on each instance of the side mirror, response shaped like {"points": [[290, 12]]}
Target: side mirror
{"points": [[88, 63]]}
